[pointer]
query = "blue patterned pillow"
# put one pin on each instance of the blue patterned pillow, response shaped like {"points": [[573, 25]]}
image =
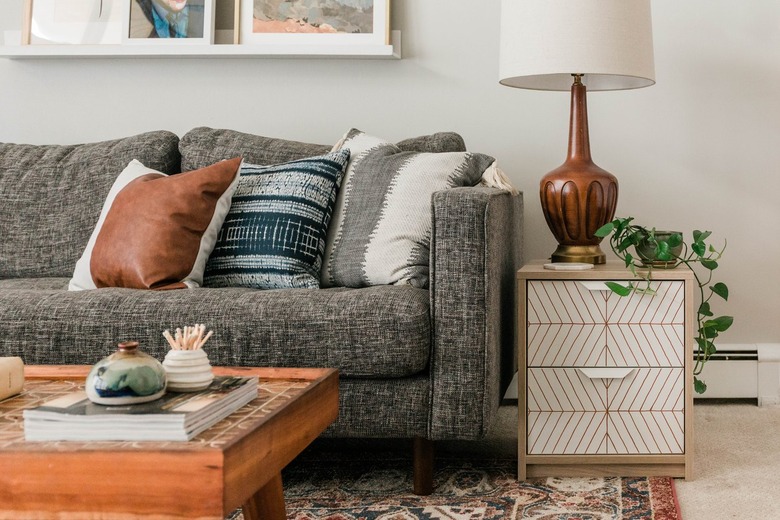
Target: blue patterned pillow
{"points": [[274, 234]]}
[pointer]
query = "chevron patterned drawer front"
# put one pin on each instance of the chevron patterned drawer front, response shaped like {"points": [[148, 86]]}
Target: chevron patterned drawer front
{"points": [[572, 413], [583, 323], [604, 377]]}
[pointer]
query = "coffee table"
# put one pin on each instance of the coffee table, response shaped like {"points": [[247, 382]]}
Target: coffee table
{"points": [[237, 462]]}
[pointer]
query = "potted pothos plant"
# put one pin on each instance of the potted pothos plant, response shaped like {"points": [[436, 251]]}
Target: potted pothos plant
{"points": [[667, 250]]}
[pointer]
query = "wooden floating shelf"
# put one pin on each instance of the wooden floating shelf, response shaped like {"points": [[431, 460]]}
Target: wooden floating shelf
{"points": [[392, 51]]}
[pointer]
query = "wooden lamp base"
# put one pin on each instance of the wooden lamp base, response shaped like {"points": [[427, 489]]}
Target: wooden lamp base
{"points": [[578, 197]]}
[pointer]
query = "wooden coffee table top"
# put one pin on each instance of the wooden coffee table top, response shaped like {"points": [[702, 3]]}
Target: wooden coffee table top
{"points": [[207, 477]]}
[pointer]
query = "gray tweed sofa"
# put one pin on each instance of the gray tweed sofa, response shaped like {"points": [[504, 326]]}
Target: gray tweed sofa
{"points": [[417, 363]]}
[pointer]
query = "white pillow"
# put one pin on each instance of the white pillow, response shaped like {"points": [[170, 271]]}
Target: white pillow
{"points": [[381, 226]]}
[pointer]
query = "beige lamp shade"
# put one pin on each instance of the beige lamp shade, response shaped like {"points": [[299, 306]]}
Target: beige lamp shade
{"points": [[544, 42]]}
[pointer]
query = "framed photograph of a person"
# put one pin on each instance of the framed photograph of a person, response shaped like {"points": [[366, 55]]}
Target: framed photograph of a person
{"points": [[169, 22], [358, 22]]}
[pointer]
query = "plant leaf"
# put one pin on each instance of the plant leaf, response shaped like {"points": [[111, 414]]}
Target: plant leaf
{"points": [[709, 264], [709, 330], [699, 385], [662, 251], [705, 345], [704, 309], [675, 240], [722, 323], [721, 290], [699, 248], [626, 243], [605, 230], [616, 288], [700, 236]]}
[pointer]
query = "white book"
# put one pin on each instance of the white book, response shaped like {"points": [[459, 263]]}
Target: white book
{"points": [[173, 417]]}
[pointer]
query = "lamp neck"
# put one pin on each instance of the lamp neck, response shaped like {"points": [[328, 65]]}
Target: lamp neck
{"points": [[579, 141]]}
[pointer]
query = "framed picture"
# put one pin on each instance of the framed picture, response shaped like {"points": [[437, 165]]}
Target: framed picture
{"points": [[226, 21], [358, 22], [72, 22], [168, 22]]}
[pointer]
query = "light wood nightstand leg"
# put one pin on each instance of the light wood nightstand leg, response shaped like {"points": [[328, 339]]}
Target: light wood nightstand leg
{"points": [[267, 503]]}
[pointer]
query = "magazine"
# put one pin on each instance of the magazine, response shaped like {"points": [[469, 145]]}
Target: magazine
{"points": [[176, 416]]}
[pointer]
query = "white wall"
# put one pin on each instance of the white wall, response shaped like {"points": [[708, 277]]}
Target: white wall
{"points": [[700, 149]]}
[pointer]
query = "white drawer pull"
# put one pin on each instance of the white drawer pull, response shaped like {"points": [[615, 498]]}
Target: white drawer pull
{"points": [[594, 286], [605, 373]]}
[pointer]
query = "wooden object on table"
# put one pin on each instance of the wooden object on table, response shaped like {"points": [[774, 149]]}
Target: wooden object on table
{"points": [[605, 382], [578, 197], [11, 376], [236, 462]]}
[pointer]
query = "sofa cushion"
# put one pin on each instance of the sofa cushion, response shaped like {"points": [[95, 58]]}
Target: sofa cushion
{"points": [[274, 234], [50, 197], [203, 146], [156, 231], [372, 332], [381, 227], [27, 284]]}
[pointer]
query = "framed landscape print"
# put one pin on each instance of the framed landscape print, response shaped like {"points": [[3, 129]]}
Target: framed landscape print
{"points": [[168, 22], [72, 22], [338, 22]]}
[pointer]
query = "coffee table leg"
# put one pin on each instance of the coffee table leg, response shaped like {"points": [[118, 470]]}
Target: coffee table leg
{"points": [[267, 503]]}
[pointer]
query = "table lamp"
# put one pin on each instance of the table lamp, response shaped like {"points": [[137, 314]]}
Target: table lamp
{"points": [[577, 44]]}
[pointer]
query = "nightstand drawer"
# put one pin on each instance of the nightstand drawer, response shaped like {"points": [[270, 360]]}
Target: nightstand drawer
{"points": [[605, 410], [602, 433], [591, 301], [583, 323]]}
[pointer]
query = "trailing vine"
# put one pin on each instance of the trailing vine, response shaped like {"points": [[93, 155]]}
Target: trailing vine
{"points": [[670, 252]]}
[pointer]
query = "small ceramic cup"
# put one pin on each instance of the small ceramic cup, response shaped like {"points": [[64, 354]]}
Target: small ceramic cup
{"points": [[187, 370]]}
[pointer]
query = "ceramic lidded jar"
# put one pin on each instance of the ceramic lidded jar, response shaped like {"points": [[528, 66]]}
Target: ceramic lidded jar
{"points": [[128, 376]]}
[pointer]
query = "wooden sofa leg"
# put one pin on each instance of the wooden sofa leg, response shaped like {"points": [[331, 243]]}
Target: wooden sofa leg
{"points": [[423, 466]]}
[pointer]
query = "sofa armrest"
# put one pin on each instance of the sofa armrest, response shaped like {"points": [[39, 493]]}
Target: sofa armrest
{"points": [[476, 249]]}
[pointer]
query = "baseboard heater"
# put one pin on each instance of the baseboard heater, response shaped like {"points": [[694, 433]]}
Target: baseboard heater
{"points": [[735, 355], [744, 371]]}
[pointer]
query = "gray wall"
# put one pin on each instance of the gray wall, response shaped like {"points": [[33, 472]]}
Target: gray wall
{"points": [[697, 150]]}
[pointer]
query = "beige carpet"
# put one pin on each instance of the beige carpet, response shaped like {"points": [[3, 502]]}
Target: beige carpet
{"points": [[736, 459], [736, 463]]}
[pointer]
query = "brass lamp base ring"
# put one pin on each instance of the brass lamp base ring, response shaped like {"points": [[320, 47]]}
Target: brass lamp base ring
{"points": [[587, 254]]}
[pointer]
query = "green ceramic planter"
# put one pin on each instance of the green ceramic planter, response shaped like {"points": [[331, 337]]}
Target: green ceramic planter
{"points": [[646, 251]]}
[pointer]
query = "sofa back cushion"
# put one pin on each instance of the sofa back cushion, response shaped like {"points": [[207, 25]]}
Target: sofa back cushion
{"points": [[51, 196], [203, 146]]}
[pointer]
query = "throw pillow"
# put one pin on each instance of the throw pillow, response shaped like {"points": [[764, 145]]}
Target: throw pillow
{"points": [[274, 235], [157, 231], [381, 225]]}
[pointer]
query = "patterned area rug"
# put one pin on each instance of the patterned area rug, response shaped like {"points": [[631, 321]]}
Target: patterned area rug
{"points": [[376, 488]]}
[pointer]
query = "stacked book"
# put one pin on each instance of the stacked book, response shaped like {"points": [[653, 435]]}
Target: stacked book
{"points": [[174, 417]]}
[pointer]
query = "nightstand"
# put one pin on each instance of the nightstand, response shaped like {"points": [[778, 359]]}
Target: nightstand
{"points": [[605, 381]]}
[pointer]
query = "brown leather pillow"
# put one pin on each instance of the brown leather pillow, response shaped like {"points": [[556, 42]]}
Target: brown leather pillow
{"points": [[160, 230]]}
